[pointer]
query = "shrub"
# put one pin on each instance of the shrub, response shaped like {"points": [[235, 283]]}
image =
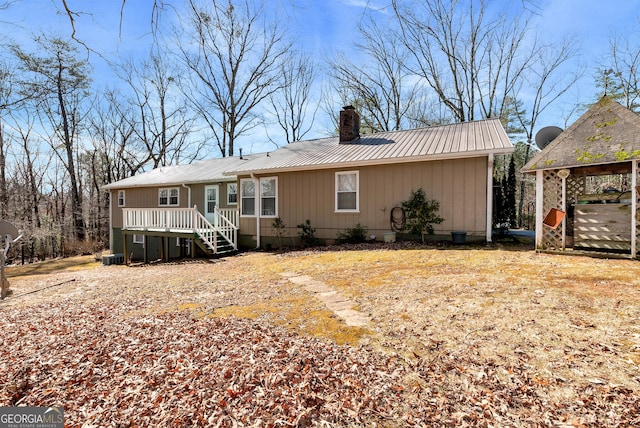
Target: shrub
{"points": [[278, 228], [307, 234], [422, 213], [355, 235]]}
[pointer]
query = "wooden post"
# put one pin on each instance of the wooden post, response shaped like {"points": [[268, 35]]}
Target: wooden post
{"points": [[5, 282], [539, 208], [166, 248], [564, 208], [125, 249], [634, 207]]}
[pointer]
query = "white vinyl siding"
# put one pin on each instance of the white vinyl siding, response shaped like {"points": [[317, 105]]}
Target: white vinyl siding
{"points": [[347, 191]]}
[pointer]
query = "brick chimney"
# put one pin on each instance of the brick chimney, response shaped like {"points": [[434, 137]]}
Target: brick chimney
{"points": [[349, 124]]}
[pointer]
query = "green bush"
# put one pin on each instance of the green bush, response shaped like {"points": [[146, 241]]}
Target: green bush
{"points": [[355, 235], [421, 213], [307, 234]]}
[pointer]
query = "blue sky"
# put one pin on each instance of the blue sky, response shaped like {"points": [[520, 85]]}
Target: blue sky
{"points": [[322, 27]]}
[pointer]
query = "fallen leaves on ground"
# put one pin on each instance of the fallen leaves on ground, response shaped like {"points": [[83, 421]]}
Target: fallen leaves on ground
{"points": [[109, 368], [458, 337]]}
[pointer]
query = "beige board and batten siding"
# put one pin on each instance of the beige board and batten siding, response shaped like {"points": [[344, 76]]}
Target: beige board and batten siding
{"points": [[458, 185]]}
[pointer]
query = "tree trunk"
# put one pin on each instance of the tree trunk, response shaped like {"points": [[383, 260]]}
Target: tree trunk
{"points": [[76, 201], [4, 197], [522, 187]]}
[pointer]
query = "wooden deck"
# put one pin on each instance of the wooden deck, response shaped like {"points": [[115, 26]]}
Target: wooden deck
{"points": [[217, 236]]}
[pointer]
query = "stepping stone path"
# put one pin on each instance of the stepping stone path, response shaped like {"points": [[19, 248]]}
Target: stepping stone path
{"points": [[334, 301]]}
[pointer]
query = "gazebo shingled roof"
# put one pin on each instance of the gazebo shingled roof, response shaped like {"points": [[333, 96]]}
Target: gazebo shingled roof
{"points": [[607, 133]]}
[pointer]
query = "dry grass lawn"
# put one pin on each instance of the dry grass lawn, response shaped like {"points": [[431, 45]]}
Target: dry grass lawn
{"points": [[571, 323]]}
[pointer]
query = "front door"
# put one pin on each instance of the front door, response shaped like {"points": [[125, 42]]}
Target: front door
{"points": [[211, 201]]}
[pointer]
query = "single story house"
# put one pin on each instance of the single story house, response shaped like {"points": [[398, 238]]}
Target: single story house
{"points": [[336, 183], [174, 211], [587, 182]]}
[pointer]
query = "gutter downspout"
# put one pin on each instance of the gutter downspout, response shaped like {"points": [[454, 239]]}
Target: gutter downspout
{"points": [[111, 193], [188, 194], [256, 183], [489, 224]]}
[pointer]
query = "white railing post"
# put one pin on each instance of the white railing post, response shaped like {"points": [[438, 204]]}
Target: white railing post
{"points": [[185, 220], [194, 218]]}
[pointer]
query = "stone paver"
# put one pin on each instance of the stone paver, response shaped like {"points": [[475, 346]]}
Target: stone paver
{"points": [[334, 301]]}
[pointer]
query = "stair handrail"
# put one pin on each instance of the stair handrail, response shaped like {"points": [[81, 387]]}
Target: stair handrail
{"points": [[201, 225], [185, 219], [223, 226], [227, 228]]}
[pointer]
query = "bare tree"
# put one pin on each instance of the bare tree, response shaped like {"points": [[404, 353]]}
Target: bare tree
{"points": [[112, 131], [291, 105], [27, 185], [621, 71], [31, 176], [379, 86], [544, 76], [162, 121], [4, 195], [427, 111], [236, 66], [6, 90], [471, 61], [116, 153], [59, 83]]}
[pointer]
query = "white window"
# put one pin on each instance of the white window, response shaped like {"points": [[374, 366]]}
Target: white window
{"points": [[248, 197], [269, 196], [121, 198], [168, 197], [232, 194], [347, 189], [138, 239]]}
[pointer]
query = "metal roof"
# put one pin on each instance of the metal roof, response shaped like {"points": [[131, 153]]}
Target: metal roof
{"points": [[607, 133], [458, 140], [438, 142], [205, 171]]}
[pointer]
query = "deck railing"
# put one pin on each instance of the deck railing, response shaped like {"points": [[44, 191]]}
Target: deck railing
{"points": [[184, 220]]}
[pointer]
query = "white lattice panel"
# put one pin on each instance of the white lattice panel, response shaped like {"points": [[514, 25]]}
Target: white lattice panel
{"points": [[552, 198], [575, 187]]}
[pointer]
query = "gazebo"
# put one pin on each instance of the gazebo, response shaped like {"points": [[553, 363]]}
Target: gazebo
{"points": [[587, 184]]}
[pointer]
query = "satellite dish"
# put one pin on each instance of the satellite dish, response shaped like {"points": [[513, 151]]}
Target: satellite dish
{"points": [[547, 135], [7, 228]]}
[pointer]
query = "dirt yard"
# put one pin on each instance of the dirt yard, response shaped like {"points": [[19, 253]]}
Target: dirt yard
{"points": [[498, 336]]}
